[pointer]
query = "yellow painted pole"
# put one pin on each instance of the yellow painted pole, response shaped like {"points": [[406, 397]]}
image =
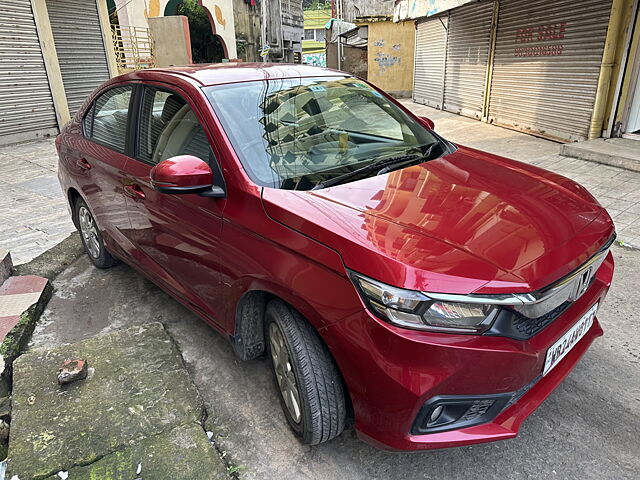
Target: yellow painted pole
{"points": [[50, 57], [608, 61], [492, 52]]}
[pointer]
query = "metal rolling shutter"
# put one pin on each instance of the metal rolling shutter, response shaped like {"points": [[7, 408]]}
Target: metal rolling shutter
{"points": [[547, 87], [428, 77], [78, 37], [468, 44], [26, 104]]}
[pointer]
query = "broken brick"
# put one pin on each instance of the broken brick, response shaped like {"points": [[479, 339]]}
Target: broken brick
{"points": [[71, 371]]}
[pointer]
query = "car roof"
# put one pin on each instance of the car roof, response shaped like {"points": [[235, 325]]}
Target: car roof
{"points": [[232, 72]]}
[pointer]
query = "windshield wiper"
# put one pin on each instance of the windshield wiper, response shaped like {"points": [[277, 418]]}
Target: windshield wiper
{"points": [[377, 165], [400, 163]]}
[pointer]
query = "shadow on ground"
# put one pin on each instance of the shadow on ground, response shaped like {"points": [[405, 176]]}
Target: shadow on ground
{"points": [[586, 429]]}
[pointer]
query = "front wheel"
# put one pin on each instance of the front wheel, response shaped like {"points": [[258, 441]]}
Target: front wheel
{"points": [[91, 237], [310, 386]]}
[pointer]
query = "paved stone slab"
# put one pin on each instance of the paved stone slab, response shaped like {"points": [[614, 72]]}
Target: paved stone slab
{"points": [[33, 209], [17, 295], [619, 152], [182, 453], [23, 284], [137, 388]]}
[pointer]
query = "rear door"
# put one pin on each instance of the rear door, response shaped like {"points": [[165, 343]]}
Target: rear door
{"points": [[176, 237], [97, 158]]}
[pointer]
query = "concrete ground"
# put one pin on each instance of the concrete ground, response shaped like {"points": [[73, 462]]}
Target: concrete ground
{"points": [[586, 429], [136, 414], [33, 212]]}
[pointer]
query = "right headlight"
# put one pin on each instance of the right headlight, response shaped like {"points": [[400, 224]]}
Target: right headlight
{"points": [[417, 310]]}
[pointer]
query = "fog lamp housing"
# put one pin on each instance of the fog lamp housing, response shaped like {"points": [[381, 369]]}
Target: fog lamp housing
{"points": [[453, 412]]}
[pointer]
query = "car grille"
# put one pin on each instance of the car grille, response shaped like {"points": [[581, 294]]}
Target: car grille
{"points": [[528, 327]]}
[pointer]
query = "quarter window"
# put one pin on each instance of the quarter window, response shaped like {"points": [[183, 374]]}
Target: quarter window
{"points": [[169, 127], [106, 121]]}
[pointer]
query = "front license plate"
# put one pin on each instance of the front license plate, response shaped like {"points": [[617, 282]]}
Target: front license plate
{"points": [[558, 350]]}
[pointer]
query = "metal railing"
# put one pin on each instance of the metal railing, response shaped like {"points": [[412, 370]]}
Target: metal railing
{"points": [[134, 47]]}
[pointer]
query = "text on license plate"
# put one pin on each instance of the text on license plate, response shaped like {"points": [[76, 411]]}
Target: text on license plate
{"points": [[558, 350]]}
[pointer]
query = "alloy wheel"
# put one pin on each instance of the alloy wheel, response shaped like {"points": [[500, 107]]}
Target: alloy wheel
{"points": [[284, 372], [89, 231]]}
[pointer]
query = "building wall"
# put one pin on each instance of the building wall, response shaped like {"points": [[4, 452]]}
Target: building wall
{"points": [[626, 92], [354, 9], [390, 56], [135, 13], [354, 59], [313, 20], [247, 25], [178, 50]]}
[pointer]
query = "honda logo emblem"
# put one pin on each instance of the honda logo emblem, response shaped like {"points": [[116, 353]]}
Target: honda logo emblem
{"points": [[582, 283]]}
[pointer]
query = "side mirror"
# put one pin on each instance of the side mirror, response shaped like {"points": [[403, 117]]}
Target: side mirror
{"points": [[185, 174], [427, 122]]}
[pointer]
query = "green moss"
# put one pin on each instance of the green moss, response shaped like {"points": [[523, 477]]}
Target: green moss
{"points": [[183, 452], [138, 389]]}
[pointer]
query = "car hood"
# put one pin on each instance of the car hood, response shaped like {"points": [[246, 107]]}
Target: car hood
{"points": [[467, 222]]}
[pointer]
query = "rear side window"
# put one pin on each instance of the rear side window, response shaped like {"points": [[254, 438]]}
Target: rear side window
{"points": [[106, 121], [169, 127]]}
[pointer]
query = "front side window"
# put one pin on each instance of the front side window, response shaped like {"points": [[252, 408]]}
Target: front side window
{"points": [[297, 133], [106, 121], [168, 127]]}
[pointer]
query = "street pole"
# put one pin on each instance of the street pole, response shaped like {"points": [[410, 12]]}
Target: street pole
{"points": [[263, 28], [339, 7]]}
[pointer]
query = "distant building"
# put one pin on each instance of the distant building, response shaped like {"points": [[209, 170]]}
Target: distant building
{"points": [[314, 47], [283, 28], [366, 42], [248, 25], [564, 70], [53, 53]]}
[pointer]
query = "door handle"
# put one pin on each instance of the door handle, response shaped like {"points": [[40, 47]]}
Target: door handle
{"points": [[84, 164], [134, 191]]}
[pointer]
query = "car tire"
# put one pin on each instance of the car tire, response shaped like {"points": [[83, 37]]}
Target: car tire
{"points": [[91, 236], [295, 348]]}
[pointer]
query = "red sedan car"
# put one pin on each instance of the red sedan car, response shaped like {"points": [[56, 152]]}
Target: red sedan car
{"points": [[436, 293]]}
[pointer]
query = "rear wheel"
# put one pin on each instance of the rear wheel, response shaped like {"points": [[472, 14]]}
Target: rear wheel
{"points": [[310, 386], [91, 237]]}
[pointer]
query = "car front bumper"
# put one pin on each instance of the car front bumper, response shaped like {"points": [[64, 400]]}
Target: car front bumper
{"points": [[392, 372]]}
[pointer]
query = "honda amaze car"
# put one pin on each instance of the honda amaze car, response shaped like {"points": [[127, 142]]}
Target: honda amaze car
{"points": [[435, 293]]}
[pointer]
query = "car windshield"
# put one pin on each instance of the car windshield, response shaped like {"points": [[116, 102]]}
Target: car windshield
{"points": [[300, 133]]}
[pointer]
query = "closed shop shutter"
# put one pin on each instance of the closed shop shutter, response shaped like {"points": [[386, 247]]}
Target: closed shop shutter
{"points": [[78, 37], [26, 103], [428, 78], [546, 65], [468, 45]]}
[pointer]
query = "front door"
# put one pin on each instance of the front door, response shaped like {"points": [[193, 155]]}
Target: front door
{"points": [[175, 237]]}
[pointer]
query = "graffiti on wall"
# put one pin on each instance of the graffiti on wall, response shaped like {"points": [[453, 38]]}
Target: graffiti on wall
{"points": [[411, 9], [384, 61], [315, 59]]}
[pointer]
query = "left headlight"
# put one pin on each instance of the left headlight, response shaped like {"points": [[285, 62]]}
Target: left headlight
{"points": [[413, 309]]}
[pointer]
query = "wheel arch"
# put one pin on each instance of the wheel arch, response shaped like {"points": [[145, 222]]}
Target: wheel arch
{"points": [[72, 197], [249, 339]]}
